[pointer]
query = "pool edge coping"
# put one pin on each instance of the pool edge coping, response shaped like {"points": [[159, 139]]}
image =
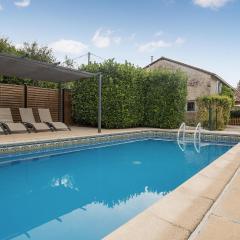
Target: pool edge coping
{"points": [[32, 145], [151, 130]]}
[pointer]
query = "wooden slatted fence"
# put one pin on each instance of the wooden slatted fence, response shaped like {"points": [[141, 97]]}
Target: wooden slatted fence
{"points": [[43, 98], [19, 96], [68, 107], [12, 96], [234, 121]]}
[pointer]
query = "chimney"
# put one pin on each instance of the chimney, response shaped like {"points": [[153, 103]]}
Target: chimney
{"points": [[151, 59]]}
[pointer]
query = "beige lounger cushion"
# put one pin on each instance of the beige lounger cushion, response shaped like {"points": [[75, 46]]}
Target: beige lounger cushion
{"points": [[6, 117], [1, 131], [59, 125], [45, 116], [16, 127], [27, 116], [40, 126]]}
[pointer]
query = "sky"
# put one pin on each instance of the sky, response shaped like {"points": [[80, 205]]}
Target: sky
{"points": [[203, 33]]}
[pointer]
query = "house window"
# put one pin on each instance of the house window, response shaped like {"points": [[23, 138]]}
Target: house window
{"points": [[219, 86], [191, 106]]}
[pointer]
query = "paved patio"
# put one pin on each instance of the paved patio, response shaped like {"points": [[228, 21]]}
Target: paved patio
{"points": [[223, 220], [89, 131], [75, 132]]}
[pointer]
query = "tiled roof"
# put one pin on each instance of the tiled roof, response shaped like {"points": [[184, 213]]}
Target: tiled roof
{"points": [[193, 67]]}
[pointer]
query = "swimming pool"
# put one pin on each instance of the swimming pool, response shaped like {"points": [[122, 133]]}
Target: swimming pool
{"points": [[86, 194]]}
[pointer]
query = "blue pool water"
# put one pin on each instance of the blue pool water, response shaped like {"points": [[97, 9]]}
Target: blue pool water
{"points": [[87, 194]]}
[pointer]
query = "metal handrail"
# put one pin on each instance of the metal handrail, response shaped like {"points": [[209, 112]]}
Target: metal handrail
{"points": [[197, 131], [183, 129]]}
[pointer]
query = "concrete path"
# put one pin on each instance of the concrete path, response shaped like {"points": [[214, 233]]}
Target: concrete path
{"points": [[223, 220]]}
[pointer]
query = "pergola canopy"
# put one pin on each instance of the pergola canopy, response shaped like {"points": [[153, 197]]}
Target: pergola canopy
{"points": [[11, 65]]}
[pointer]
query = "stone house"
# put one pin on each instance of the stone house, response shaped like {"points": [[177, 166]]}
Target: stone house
{"points": [[200, 82]]}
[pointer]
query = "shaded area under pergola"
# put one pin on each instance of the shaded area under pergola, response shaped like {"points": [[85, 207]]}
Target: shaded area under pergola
{"points": [[20, 67]]}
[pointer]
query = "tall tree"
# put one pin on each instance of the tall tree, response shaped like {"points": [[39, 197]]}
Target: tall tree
{"points": [[68, 62], [6, 46], [31, 51], [36, 52]]}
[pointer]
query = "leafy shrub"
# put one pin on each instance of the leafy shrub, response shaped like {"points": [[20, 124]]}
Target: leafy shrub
{"points": [[131, 97], [122, 102], [165, 98], [227, 91], [214, 111]]}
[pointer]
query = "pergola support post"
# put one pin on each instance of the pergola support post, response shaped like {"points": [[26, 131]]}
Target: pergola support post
{"points": [[63, 105], [60, 103], [99, 103], [25, 96]]}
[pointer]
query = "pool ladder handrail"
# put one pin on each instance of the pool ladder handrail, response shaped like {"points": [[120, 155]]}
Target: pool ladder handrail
{"points": [[183, 129], [198, 130]]}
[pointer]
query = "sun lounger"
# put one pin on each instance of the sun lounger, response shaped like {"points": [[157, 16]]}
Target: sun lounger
{"points": [[7, 124], [45, 116], [2, 131], [30, 122]]}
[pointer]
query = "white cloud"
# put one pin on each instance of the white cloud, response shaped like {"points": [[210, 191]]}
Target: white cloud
{"points": [[22, 3], [153, 45], [180, 41], [104, 38], [100, 39], [211, 3], [68, 46], [1, 7]]}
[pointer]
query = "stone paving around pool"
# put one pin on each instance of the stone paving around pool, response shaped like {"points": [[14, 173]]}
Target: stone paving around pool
{"points": [[88, 131], [75, 132]]}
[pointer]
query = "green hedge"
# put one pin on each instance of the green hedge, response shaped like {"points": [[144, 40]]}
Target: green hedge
{"points": [[131, 97], [165, 99], [228, 92], [122, 102], [214, 111]]}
